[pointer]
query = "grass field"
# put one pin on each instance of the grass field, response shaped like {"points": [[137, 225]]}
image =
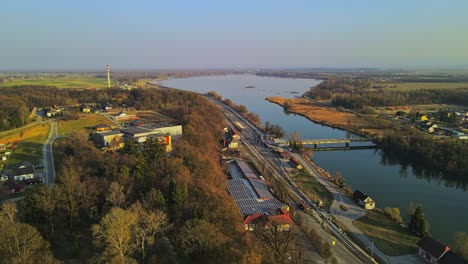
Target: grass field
{"points": [[312, 188], [409, 86], [71, 81], [388, 236], [30, 144], [86, 122]]}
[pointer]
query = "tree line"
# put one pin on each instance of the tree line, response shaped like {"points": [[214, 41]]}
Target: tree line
{"points": [[356, 94], [136, 205]]}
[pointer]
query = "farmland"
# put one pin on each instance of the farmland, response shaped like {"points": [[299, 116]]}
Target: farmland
{"points": [[412, 86], [66, 81]]}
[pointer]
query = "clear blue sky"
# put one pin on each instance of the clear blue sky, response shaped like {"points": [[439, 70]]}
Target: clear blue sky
{"points": [[61, 34]]}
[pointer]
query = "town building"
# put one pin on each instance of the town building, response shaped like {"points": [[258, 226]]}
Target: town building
{"points": [[364, 200]]}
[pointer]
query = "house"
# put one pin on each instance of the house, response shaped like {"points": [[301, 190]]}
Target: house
{"points": [[23, 173], [121, 115], [102, 127], [85, 109], [364, 200], [432, 251], [51, 112], [279, 219], [12, 186]]}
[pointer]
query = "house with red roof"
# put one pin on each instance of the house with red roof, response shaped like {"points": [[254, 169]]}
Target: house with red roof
{"points": [[279, 219]]}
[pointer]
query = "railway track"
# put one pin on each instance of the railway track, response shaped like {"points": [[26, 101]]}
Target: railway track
{"points": [[252, 141]]}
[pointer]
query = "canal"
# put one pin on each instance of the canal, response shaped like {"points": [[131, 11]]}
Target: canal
{"points": [[445, 203]]}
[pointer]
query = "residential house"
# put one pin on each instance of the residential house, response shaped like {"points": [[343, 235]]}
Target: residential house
{"points": [[102, 127], [364, 200], [12, 186], [432, 251], [85, 109]]}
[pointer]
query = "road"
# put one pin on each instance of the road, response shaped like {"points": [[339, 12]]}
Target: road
{"points": [[251, 137], [48, 155]]}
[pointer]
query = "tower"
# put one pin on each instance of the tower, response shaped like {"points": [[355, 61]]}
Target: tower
{"points": [[108, 75]]}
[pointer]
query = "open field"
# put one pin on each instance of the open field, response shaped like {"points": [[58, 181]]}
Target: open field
{"points": [[391, 238], [86, 122], [331, 116], [312, 188], [410, 86], [30, 144], [71, 81]]}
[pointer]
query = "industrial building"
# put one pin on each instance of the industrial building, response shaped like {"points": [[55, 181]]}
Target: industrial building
{"points": [[250, 193], [107, 137], [254, 199]]}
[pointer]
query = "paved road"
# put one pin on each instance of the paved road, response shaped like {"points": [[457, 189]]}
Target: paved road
{"points": [[48, 155]]}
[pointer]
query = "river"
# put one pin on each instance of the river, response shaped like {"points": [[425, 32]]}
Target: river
{"points": [[445, 203]]}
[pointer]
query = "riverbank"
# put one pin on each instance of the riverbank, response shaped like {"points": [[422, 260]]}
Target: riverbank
{"points": [[332, 117]]}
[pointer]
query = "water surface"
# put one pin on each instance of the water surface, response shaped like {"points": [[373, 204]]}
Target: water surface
{"points": [[445, 203]]}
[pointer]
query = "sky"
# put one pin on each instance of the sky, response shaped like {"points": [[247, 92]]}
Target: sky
{"points": [[199, 34]]}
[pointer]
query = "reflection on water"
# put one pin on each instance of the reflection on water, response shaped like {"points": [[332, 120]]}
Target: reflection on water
{"points": [[392, 182]]}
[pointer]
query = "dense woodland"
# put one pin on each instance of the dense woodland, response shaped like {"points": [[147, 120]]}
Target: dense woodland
{"points": [[139, 196], [357, 93], [427, 155]]}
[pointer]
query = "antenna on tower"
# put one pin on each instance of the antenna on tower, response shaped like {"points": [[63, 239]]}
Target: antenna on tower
{"points": [[108, 75]]}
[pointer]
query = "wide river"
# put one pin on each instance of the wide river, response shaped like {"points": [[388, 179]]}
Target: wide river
{"points": [[445, 203]]}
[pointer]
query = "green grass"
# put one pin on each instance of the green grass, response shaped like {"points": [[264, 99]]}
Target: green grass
{"points": [[312, 188], [86, 122], [26, 151], [69, 81], [410, 86], [30, 144], [388, 236]]}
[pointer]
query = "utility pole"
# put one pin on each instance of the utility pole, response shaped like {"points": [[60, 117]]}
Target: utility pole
{"points": [[108, 75]]}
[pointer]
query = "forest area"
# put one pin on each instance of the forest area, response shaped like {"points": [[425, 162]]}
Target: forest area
{"points": [[358, 93], [137, 205]]}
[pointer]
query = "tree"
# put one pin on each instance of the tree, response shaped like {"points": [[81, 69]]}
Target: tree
{"points": [[417, 223], [155, 199], [252, 257], [201, 239], [150, 223], [19, 242], [114, 234], [130, 147], [281, 243], [295, 142], [115, 196], [460, 244]]}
